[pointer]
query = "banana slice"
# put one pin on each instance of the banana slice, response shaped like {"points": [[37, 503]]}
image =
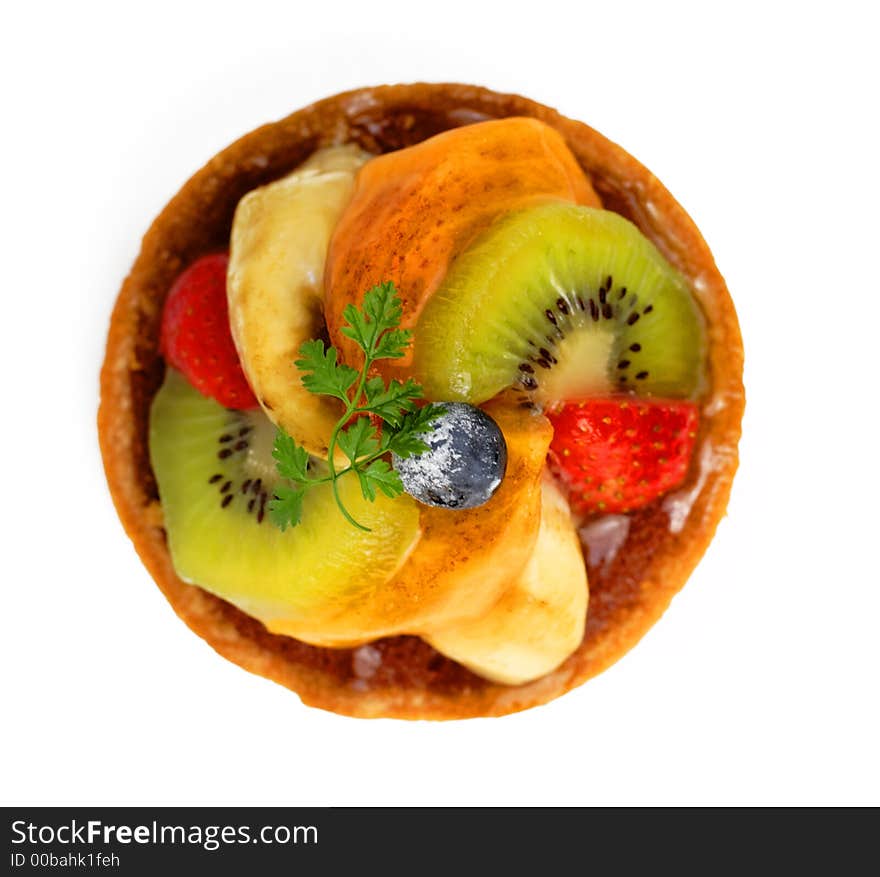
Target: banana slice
{"points": [[275, 284], [540, 619]]}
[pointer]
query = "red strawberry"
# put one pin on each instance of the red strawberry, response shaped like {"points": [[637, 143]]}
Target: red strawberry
{"points": [[196, 338], [618, 454]]}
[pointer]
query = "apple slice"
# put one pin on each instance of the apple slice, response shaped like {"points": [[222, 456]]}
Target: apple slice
{"points": [[275, 286]]}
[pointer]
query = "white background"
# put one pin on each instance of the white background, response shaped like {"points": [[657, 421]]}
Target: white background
{"points": [[760, 685]]}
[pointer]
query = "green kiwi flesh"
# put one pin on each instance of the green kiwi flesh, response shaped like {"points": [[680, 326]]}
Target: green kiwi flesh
{"points": [[565, 302], [215, 473]]}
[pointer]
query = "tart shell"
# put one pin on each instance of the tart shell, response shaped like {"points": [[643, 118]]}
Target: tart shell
{"points": [[403, 677]]}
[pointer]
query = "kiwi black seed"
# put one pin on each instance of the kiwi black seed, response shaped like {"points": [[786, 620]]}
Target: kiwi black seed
{"points": [[242, 450], [614, 305], [232, 450], [216, 476], [563, 301]]}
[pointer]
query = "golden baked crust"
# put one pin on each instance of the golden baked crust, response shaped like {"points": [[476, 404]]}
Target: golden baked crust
{"points": [[402, 677]]}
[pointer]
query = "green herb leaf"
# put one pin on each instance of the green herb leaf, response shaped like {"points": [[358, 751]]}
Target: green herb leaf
{"points": [[291, 460], [359, 440], [379, 475], [322, 374], [392, 403], [406, 440], [383, 307], [375, 328], [358, 329], [393, 344], [285, 509]]}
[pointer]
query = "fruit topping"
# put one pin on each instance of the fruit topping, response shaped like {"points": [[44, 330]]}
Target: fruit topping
{"points": [[465, 559], [414, 210], [276, 292], [195, 336], [366, 404], [619, 454], [539, 620], [566, 302], [464, 463], [216, 474], [417, 565]]}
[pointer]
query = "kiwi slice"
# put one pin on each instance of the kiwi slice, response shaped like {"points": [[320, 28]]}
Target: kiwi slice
{"points": [[564, 301], [216, 474]]}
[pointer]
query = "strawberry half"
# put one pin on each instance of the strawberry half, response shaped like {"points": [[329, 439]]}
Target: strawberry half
{"points": [[196, 338], [619, 454]]}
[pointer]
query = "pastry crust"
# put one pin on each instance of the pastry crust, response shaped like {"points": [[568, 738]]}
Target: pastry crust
{"points": [[402, 677]]}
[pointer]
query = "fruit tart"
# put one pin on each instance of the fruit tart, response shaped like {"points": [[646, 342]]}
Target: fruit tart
{"points": [[423, 401]]}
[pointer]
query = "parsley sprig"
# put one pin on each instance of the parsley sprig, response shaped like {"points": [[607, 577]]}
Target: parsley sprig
{"points": [[375, 328]]}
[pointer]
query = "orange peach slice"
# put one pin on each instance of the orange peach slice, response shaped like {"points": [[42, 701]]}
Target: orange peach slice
{"points": [[415, 210]]}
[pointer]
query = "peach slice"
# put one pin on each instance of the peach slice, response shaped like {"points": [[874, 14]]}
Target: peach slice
{"points": [[415, 210]]}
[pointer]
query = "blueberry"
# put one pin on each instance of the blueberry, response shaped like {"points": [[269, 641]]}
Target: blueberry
{"points": [[465, 463]]}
